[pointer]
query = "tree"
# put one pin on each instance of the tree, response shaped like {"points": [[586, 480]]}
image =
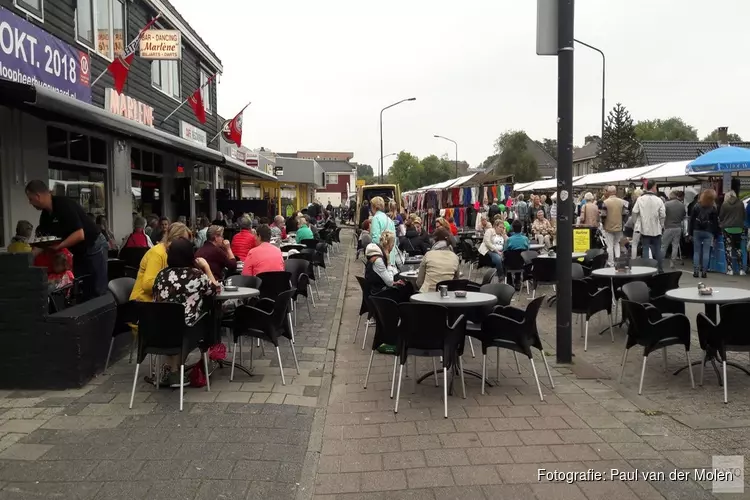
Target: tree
{"points": [[671, 129], [406, 171], [550, 146], [488, 162], [714, 136], [364, 170], [514, 157], [619, 148]]}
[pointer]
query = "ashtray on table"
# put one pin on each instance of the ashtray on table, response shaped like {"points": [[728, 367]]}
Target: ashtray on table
{"points": [[706, 291], [231, 288], [460, 294]]}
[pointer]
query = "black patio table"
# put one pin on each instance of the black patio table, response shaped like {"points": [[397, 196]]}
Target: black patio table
{"points": [[241, 293], [720, 295], [632, 274], [472, 300]]}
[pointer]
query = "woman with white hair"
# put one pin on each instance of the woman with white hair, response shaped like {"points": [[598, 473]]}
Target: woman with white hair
{"points": [[589, 212], [380, 223], [379, 271]]}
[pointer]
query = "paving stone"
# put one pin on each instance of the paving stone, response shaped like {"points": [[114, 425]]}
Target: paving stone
{"points": [[499, 438], [169, 490], [19, 451], [495, 455], [209, 469], [527, 454], [383, 481], [337, 483], [429, 477], [607, 490], [565, 452], [361, 463], [539, 437], [475, 475], [547, 423], [65, 490], [116, 470], [426, 442], [557, 491], [122, 490], [510, 424], [458, 493], [578, 436], [223, 489], [162, 470], [404, 460], [441, 426], [514, 491], [47, 470], [398, 429], [630, 451]]}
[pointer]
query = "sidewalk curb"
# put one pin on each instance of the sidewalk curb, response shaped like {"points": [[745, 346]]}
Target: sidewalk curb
{"points": [[315, 444]]}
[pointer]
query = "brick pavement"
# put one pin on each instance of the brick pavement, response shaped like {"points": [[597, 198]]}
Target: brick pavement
{"points": [[245, 439], [493, 445]]}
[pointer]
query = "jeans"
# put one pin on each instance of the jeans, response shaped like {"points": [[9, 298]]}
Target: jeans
{"points": [[634, 245], [613, 246], [653, 243], [671, 236], [733, 248], [93, 265], [497, 262], [702, 241]]}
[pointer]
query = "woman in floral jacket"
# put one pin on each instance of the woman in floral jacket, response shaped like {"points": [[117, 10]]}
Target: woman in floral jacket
{"points": [[542, 230]]}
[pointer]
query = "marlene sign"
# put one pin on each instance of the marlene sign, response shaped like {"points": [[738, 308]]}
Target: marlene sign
{"points": [[31, 56], [161, 44], [132, 109]]}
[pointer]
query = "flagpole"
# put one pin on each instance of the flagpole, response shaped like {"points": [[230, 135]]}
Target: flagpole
{"points": [[140, 34], [222, 126], [186, 100]]}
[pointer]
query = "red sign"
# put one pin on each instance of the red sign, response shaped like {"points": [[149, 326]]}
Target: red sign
{"points": [[252, 162]]}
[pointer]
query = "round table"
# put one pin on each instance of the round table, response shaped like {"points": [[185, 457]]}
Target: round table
{"points": [[536, 246], [472, 299], [242, 292], [574, 255], [410, 276], [634, 272], [410, 261]]}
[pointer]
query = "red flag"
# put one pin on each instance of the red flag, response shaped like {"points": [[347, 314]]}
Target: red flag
{"points": [[196, 102], [235, 129], [120, 67]]}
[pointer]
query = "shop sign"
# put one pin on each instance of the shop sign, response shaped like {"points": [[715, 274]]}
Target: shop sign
{"points": [[193, 133], [581, 240], [126, 106], [251, 160], [278, 171], [161, 44], [31, 56]]}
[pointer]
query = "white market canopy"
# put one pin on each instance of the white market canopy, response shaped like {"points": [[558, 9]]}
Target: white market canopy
{"points": [[672, 172], [619, 176]]}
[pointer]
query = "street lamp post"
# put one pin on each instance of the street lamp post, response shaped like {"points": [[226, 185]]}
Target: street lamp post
{"points": [[456, 144], [604, 63], [380, 161], [380, 180]]}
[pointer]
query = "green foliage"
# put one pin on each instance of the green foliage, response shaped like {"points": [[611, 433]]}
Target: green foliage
{"points": [[514, 157], [364, 170], [411, 173], [488, 162], [550, 146], [619, 148], [714, 136], [671, 129]]}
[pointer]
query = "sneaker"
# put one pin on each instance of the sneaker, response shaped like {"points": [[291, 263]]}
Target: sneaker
{"points": [[695, 273], [163, 377], [730, 272], [174, 380], [704, 274], [742, 273]]}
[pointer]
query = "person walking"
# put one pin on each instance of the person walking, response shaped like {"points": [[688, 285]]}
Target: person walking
{"points": [[731, 219], [703, 228], [614, 208], [522, 212], [649, 211], [675, 214], [380, 223], [62, 217]]}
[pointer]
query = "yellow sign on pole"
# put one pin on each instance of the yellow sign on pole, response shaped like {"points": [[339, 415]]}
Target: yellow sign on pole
{"points": [[360, 182], [581, 240]]}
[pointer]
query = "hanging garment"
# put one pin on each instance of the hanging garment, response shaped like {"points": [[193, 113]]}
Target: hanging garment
{"points": [[501, 193], [474, 195]]}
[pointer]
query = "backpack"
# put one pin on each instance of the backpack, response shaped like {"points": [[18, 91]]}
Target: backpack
{"points": [[702, 219]]}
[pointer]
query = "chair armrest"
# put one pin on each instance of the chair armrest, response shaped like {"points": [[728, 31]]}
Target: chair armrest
{"points": [[679, 321], [265, 305], [511, 312], [654, 314], [459, 326]]}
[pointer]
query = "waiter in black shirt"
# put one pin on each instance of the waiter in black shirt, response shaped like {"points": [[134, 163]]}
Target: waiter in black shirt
{"points": [[66, 219]]}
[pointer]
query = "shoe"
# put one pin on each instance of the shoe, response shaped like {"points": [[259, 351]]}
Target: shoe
{"points": [[695, 273], [742, 273], [163, 377], [174, 380], [730, 272], [704, 274], [671, 264]]}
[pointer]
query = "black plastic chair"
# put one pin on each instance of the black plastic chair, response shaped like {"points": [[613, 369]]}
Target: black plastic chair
{"points": [[308, 255], [504, 294], [297, 268], [514, 265], [126, 313], [266, 320], [544, 272], [576, 271], [489, 275], [364, 307], [132, 257], [459, 284], [319, 259], [595, 258], [659, 285], [273, 283], [644, 262], [469, 254], [115, 269], [311, 244], [245, 281], [729, 335], [162, 332], [424, 332], [514, 329], [589, 300], [386, 314], [672, 329]]}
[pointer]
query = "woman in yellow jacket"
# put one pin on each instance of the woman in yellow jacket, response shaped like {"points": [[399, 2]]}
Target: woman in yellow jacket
{"points": [[154, 261]]}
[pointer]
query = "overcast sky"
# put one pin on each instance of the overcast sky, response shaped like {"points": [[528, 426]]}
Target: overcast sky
{"points": [[318, 72]]}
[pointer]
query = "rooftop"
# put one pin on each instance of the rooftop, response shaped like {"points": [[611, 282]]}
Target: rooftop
{"points": [[336, 166], [666, 151]]}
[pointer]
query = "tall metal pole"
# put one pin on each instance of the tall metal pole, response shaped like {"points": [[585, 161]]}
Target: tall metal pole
{"points": [[380, 177], [604, 85], [565, 180]]}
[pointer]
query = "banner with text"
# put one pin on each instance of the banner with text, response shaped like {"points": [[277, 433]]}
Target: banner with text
{"points": [[31, 56], [161, 44]]}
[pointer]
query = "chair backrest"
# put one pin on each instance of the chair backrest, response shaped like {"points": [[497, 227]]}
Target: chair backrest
{"points": [[121, 289], [296, 268], [161, 325], [273, 283], [319, 256], [365, 287], [576, 271], [133, 256], [544, 270], [590, 254], [468, 250], [641, 261], [281, 307], [732, 327], [513, 260], [488, 276], [423, 326], [640, 325], [502, 291], [460, 284], [599, 261], [529, 256], [245, 281], [386, 314], [309, 243], [636, 291], [659, 284], [115, 268]]}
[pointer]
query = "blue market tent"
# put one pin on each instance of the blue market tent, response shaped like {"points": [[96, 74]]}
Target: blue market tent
{"points": [[721, 160]]}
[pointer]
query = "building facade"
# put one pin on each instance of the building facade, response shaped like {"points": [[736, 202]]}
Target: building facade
{"points": [[340, 182], [115, 154]]}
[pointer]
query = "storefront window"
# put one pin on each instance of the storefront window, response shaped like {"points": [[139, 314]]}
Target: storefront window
{"points": [[146, 195], [85, 186], [202, 175], [66, 145], [288, 200], [100, 25]]}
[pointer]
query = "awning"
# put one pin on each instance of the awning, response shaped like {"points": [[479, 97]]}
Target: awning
{"points": [[672, 173], [242, 168], [611, 177], [44, 102], [461, 180]]}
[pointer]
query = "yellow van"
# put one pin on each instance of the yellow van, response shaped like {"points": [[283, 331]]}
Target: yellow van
{"points": [[365, 193]]}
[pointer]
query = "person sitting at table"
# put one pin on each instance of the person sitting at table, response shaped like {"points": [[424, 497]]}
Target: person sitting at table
{"points": [[138, 238], [245, 240], [20, 242], [60, 274], [265, 257], [154, 261], [414, 241], [303, 230], [278, 228], [312, 224], [441, 222], [492, 244], [542, 230], [439, 264], [453, 227], [517, 240], [220, 219], [101, 223], [217, 252], [379, 274], [186, 280]]}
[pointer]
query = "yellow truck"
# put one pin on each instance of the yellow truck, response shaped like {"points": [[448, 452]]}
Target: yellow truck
{"points": [[365, 193]]}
